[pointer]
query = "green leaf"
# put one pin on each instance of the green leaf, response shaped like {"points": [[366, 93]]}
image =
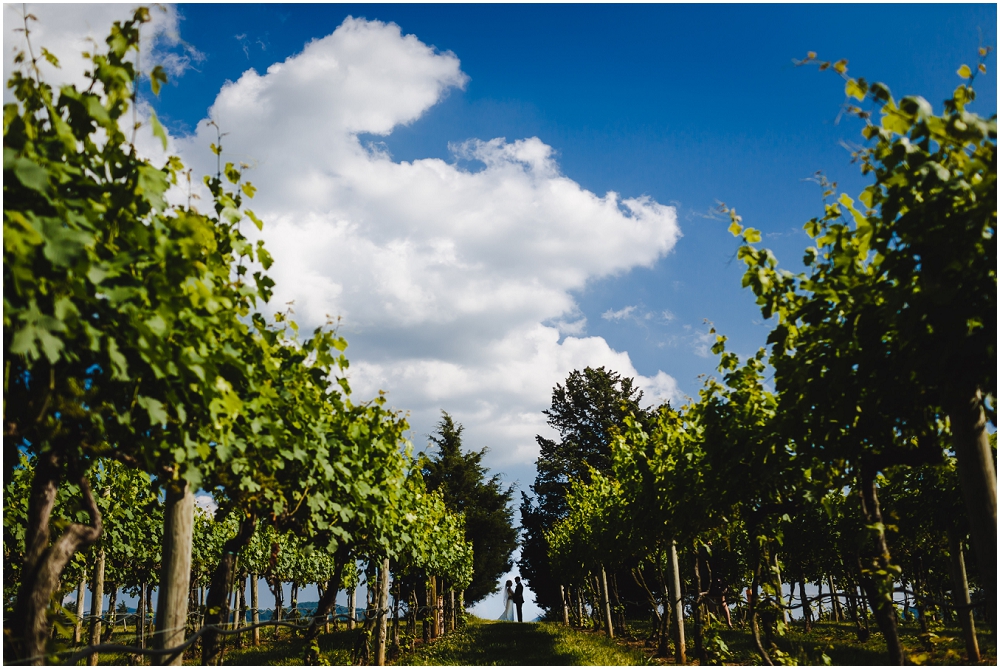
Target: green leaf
{"points": [[735, 229], [65, 309], [97, 274], [63, 245], [97, 110], [47, 55], [263, 256], [157, 324], [156, 78], [253, 217], [119, 365], [854, 90], [896, 122], [965, 72], [158, 130], [31, 174], [868, 196], [961, 95], [51, 345], [155, 408], [153, 183]]}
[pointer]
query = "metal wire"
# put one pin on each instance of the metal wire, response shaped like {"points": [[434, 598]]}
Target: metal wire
{"points": [[79, 654]]}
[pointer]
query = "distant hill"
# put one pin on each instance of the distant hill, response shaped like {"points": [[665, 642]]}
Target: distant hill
{"points": [[306, 609]]}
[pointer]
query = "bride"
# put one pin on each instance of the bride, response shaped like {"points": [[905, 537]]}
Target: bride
{"points": [[508, 602]]}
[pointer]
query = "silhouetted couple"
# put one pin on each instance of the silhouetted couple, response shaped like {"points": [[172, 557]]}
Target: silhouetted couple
{"points": [[512, 597]]}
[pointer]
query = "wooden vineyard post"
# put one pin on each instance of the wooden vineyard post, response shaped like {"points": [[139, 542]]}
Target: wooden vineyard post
{"points": [[96, 606], [112, 602], [382, 604], [452, 617], [835, 612], [428, 609], [562, 594], [81, 592], [140, 617], [606, 604], [776, 567], [439, 613], [433, 603], [977, 475], [175, 576], [255, 615], [678, 605], [960, 596]]}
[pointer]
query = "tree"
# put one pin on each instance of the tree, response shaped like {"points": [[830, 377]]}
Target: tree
{"points": [[489, 517], [125, 323], [897, 312], [926, 504], [715, 473], [585, 411], [15, 521], [593, 537], [284, 456]]}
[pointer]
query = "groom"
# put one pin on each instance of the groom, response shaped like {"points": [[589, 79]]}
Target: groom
{"points": [[518, 597]]}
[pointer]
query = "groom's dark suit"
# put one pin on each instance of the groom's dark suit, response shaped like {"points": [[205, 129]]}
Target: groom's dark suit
{"points": [[519, 598]]}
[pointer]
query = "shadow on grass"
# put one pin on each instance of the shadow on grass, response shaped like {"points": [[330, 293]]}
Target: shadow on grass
{"points": [[512, 643], [496, 643], [289, 650], [840, 643]]}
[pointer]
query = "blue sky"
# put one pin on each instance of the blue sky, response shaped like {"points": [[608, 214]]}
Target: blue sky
{"points": [[690, 104], [474, 282]]}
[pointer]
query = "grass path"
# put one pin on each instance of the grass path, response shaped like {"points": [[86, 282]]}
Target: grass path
{"points": [[484, 643], [493, 643]]}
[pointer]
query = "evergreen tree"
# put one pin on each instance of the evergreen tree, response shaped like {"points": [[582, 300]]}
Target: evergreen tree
{"points": [[489, 516], [584, 412]]}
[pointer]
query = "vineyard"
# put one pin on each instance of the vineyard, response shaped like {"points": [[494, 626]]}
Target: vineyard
{"points": [[842, 481], [138, 369], [866, 471]]}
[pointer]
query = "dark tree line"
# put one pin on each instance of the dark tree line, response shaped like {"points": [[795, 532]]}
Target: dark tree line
{"points": [[584, 411], [468, 488]]}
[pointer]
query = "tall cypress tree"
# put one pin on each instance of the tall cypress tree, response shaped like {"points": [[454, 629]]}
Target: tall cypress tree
{"points": [[489, 515]]}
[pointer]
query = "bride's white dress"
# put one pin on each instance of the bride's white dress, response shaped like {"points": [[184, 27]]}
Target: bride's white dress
{"points": [[508, 605]]}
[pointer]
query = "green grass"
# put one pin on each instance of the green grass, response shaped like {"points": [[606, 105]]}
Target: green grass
{"points": [[840, 643], [485, 643], [290, 650], [945, 647]]}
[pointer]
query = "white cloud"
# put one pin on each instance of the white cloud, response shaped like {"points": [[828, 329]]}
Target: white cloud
{"points": [[612, 315], [454, 285], [68, 30], [206, 502], [499, 398], [701, 342], [567, 326]]}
